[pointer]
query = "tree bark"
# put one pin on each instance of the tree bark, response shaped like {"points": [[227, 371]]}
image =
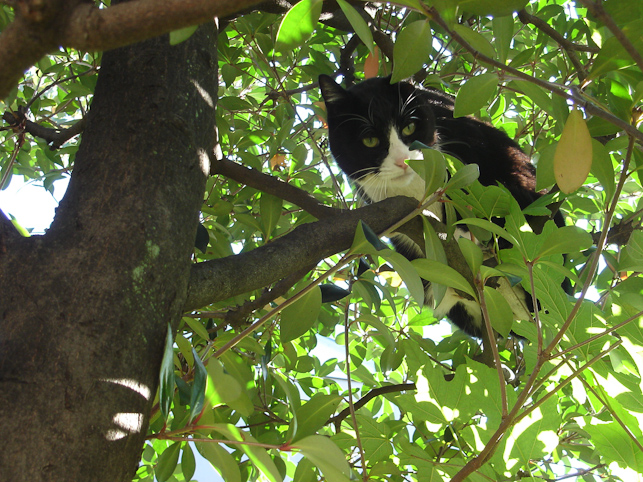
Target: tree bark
{"points": [[84, 309]]}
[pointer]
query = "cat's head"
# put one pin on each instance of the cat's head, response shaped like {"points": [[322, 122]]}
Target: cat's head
{"points": [[371, 126]]}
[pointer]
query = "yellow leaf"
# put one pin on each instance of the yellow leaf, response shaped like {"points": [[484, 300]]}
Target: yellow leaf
{"points": [[573, 157], [372, 64], [278, 160]]}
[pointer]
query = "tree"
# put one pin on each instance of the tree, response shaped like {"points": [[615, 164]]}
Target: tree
{"points": [[115, 292]]}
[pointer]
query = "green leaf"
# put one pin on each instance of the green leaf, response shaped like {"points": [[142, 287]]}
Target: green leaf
{"points": [[489, 226], [440, 273], [298, 24], [472, 254], [257, 455], [432, 169], [299, 317], [475, 94], [464, 176], [476, 40], [602, 168], [494, 8], [500, 313], [407, 272], [181, 35], [566, 239], [535, 93], [411, 50], [503, 30], [197, 327], [221, 460], [613, 55], [270, 208], [167, 462], [366, 241], [166, 384], [434, 250], [358, 23], [188, 464], [326, 456], [632, 257], [314, 414], [198, 387]]}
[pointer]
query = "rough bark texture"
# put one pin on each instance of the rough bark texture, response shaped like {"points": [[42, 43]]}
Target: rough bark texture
{"points": [[84, 309]]}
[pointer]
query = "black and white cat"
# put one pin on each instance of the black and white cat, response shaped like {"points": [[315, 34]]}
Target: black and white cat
{"points": [[371, 126]]}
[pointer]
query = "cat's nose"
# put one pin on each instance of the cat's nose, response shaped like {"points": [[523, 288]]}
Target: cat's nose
{"points": [[401, 163]]}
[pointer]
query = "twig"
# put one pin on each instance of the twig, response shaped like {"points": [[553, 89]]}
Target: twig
{"points": [[272, 185], [54, 137], [596, 9], [349, 382], [572, 94], [375, 392], [568, 46]]}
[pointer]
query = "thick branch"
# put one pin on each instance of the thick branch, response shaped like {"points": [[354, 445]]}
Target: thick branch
{"points": [[220, 279], [41, 26]]}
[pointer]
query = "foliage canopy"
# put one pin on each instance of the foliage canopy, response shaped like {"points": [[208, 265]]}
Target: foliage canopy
{"points": [[370, 385]]}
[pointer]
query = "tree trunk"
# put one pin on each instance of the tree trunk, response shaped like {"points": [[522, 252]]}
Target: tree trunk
{"points": [[84, 309]]}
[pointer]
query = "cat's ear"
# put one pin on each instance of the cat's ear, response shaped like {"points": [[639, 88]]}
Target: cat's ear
{"points": [[331, 90]]}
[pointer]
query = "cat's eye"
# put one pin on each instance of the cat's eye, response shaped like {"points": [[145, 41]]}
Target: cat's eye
{"points": [[408, 129], [370, 141]]}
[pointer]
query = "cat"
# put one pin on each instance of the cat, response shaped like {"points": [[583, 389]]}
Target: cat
{"points": [[371, 126]]}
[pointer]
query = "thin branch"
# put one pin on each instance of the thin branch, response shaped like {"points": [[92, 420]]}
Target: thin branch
{"points": [[375, 392], [272, 185], [596, 9], [54, 137], [571, 93], [568, 46]]}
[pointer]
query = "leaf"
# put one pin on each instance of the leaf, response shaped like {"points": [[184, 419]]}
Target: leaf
{"points": [[166, 384], [602, 168], [221, 460], [411, 50], [494, 8], [566, 239], [331, 292], [181, 35], [464, 176], [257, 455], [489, 226], [500, 313], [358, 23], [326, 456], [472, 254], [434, 250], [366, 241], [314, 414], [613, 55], [407, 272], [632, 257], [198, 387], [503, 30], [270, 207], [188, 464], [167, 462], [475, 94], [476, 40], [372, 64], [299, 317], [573, 157], [440, 273], [298, 24]]}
